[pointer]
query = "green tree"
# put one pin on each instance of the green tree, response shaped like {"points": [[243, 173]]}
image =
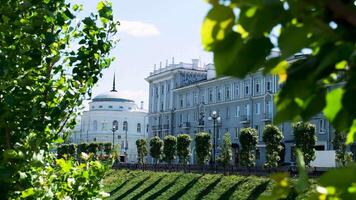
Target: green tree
{"points": [[156, 145], [183, 147], [107, 148], [305, 140], [50, 59], [202, 147], [142, 151], [342, 156], [241, 42], [93, 148], [248, 140], [225, 156], [272, 137], [169, 148]]}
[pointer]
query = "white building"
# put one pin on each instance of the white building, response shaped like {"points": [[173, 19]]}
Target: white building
{"points": [[112, 118]]}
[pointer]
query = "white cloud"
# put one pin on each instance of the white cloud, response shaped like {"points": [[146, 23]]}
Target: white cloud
{"points": [[138, 28]]}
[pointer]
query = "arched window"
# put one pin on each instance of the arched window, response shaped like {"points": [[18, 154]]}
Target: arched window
{"points": [[95, 125], [125, 126], [115, 124], [138, 128]]}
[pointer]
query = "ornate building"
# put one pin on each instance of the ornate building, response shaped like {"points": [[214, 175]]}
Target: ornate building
{"points": [[111, 118], [182, 97]]}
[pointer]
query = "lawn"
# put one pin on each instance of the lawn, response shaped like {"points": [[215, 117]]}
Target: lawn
{"points": [[125, 184]]}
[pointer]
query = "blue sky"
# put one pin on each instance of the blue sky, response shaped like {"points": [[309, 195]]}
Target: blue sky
{"points": [[151, 31]]}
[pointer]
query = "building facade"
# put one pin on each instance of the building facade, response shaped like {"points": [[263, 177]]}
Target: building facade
{"points": [[111, 118], [183, 96]]}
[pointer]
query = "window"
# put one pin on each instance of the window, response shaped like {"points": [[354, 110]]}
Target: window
{"points": [[237, 111], [218, 94], [247, 90], [322, 128], [195, 98], [110, 106], [95, 125], [227, 113], [210, 94], [168, 87], [100, 106], [121, 107], [248, 109], [187, 97], [268, 107], [257, 87], [125, 126], [227, 92], [236, 133], [115, 124], [138, 128], [180, 119], [103, 126], [268, 86], [92, 107], [181, 101], [237, 90], [162, 89], [258, 154], [258, 108]]}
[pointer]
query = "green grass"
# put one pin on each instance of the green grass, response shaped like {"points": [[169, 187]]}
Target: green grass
{"points": [[125, 184]]}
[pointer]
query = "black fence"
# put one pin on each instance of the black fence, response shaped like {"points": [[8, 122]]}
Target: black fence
{"points": [[245, 171]]}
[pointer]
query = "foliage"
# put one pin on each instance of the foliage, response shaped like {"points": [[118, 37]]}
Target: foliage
{"points": [[66, 149], [142, 151], [183, 147], [156, 145], [202, 147], [305, 139], [169, 148], [107, 148], [82, 147], [92, 148], [241, 42], [225, 152], [248, 140], [50, 60], [272, 137], [339, 143]]}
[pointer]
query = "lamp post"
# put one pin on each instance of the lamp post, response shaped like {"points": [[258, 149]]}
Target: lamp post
{"points": [[216, 118], [114, 128]]}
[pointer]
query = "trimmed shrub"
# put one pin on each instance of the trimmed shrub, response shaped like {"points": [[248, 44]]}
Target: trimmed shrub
{"points": [[248, 140], [107, 148], [156, 148], [82, 147], [225, 156], [339, 142], [142, 151], [183, 148], [203, 147], [92, 148], [305, 139], [169, 148], [272, 137]]}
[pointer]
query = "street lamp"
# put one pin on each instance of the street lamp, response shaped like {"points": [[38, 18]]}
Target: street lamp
{"points": [[114, 128], [216, 118]]}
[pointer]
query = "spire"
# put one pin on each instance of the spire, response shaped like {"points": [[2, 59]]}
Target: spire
{"points": [[113, 85]]}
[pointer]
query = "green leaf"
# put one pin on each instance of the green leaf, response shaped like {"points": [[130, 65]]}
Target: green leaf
{"points": [[351, 135], [302, 184], [292, 40], [216, 26], [27, 193], [333, 103]]}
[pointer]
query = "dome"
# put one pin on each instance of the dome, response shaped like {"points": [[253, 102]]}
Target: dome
{"points": [[111, 96]]}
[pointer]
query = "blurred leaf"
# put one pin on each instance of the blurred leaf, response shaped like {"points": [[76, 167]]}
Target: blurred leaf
{"points": [[333, 103]]}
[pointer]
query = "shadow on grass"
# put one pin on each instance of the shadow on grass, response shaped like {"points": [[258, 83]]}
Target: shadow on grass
{"points": [[133, 188], [159, 192], [207, 190], [148, 188], [257, 191], [182, 191], [118, 187], [228, 193]]}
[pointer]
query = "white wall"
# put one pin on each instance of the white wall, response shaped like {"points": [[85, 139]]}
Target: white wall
{"points": [[324, 159]]}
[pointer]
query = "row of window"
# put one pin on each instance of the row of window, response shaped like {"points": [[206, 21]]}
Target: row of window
{"points": [[190, 99], [115, 126], [110, 106]]}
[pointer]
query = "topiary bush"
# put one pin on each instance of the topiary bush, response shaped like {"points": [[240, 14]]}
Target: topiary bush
{"points": [[202, 147], [183, 148], [272, 137], [248, 140], [142, 151], [339, 142], [305, 140], [225, 156], [169, 148], [156, 145]]}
